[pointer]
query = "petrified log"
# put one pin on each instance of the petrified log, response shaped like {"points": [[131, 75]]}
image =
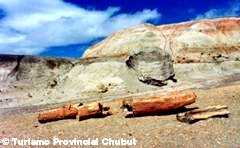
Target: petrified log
{"points": [[202, 114], [90, 110], [158, 104], [65, 112], [82, 111]]}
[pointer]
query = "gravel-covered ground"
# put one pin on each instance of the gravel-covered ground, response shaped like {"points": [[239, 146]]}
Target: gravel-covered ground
{"points": [[150, 131]]}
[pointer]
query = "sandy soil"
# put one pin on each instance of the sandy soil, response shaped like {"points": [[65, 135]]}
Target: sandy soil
{"points": [[150, 131]]}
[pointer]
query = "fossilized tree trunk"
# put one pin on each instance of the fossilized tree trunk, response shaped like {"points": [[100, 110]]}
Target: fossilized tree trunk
{"points": [[85, 111], [202, 114], [158, 104], [65, 112]]}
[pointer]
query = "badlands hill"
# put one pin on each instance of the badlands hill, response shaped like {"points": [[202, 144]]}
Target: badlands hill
{"points": [[201, 55], [195, 41]]}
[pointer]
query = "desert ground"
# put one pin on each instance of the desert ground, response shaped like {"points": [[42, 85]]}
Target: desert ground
{"points": [[150, 131]]}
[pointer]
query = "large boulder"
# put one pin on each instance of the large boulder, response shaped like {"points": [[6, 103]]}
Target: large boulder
{"points": [[154, 67]]}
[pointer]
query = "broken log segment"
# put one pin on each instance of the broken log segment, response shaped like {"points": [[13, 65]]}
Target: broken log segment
{"points": [[158, 104], [202, 114], [81, 111], [65, 112], [92, 110]]}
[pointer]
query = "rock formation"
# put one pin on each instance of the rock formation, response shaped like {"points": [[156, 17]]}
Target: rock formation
{"points": [[135, 61], [195, 41]]}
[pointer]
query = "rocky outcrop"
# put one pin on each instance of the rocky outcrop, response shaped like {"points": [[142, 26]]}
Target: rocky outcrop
{"points": [[195, 41], [23, 78], [143, 64], [31, 68]]}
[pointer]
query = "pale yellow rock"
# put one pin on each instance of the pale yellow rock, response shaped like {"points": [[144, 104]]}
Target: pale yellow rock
{"points": [[195, 41]]}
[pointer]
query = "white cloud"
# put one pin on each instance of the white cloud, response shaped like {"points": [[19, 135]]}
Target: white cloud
{"points": [[31, 26], [233, 10]]}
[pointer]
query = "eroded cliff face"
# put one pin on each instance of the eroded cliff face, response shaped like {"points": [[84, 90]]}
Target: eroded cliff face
{"points": [[195, 41], [22, 76], [31, 69], [135, 61]]}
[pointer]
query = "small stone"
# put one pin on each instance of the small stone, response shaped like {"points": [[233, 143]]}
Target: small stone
{"points": [[35, 124], [30, 95], [102, 88], [52, 83]]}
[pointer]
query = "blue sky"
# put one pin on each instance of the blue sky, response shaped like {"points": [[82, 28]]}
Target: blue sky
{"points": [[67, 28]]}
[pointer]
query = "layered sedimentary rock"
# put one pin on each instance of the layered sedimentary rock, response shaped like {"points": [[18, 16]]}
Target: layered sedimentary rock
{"points": [[195, 41], [23, 78], [30, 68], [143, 64]]}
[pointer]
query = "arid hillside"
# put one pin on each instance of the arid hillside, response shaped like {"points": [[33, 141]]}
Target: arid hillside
{"points": [[195, 41]]}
